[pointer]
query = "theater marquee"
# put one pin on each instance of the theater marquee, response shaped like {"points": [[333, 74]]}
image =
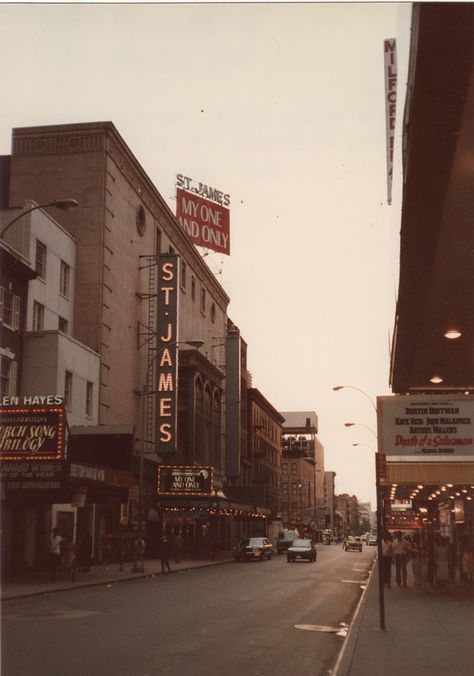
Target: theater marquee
{"points": [[203, 214], [427, 428], [181, 480], [167, 353], [32, 433]]}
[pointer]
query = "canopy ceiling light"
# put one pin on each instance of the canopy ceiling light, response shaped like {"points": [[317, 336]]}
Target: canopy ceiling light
{"points": [[452, 334], [436, 380]]}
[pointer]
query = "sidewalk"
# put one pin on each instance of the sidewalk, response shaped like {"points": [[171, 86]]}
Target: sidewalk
{"points": [[427, 634], [39, 583]]}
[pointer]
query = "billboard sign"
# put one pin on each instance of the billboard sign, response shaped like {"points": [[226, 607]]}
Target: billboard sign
{"points": [[32, 433], [203, 214], [390, 68], [167, 353], [426, 428], [185, 481]]}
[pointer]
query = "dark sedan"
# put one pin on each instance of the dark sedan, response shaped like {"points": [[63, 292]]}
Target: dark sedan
{"points": [[301, 549], [254, 548]]}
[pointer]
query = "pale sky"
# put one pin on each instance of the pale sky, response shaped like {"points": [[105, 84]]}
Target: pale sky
{"points": [[282, 107]]}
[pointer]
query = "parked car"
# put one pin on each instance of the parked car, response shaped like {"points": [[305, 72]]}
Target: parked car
{"points": [[353, 544], [372, 542], [285, 539], [301, 549], [253, 548]]}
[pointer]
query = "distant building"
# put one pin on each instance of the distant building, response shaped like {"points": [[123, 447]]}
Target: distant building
{"points": [[303, 500]]}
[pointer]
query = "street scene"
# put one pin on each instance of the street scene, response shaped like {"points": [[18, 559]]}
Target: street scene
{"points": [[270, 619], [236, 314]]}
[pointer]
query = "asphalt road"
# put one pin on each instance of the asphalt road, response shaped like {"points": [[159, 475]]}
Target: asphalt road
{"points": [[266, 618]]}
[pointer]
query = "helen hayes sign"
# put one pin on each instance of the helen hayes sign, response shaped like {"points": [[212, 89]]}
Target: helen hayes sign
{"points": [[427, 427]]}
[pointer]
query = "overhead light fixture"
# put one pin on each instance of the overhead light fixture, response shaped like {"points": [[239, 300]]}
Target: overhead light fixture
{"points": [[452, 334], [436, 380]]}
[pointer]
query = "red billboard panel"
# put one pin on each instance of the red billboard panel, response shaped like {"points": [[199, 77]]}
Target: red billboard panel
{"points": [[206, 222]]}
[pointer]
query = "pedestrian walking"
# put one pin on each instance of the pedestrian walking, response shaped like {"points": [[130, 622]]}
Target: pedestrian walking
{"points": [[387, 558], [401, 548], [55, 551], [441, 561], [69, 558], [122, 542], [138, 554], [416, 562], [84, 552], [467, 560], [107, 542], [165, 554], [178, 545]]}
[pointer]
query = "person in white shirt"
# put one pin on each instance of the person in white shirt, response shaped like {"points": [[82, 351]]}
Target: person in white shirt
{"points": [[55, 552], [387, 557]]}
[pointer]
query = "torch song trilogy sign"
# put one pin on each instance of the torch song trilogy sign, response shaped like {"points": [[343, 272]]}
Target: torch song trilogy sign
{"points": [[32, 443], [202, 212], [426, 428], [167, 353], [32, 433]]}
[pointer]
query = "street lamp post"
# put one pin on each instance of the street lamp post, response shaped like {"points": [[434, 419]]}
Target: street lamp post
{"points": [[197, 343], [65, 204], [352, 387]]}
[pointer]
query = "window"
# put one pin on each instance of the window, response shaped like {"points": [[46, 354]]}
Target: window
{"points": [[63, 325], [38, 316], [68, 389], [203, 300], [183, 274], [40, 259], [89, 391], [293, 468], [141, 221], [284, 488], [8, 373], [193, 288], [9, 308], [213, 313], [294, 488], [64, 276], [284, 467]]}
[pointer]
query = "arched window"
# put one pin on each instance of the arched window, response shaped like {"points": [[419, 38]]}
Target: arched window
{"points": [[141, 220], [216, 430], [199, 421], [207, 426]]}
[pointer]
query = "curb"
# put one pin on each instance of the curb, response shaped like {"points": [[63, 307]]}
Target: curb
{"points": [[96, 583], [344, 660]]}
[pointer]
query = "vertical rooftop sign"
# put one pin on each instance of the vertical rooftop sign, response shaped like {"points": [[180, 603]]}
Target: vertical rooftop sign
{"points": [[203, 214], [167, 353], [390, 68]]}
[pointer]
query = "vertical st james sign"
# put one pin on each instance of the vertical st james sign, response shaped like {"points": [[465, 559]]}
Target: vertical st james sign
{"points": [[167, 353], [390, 68]]}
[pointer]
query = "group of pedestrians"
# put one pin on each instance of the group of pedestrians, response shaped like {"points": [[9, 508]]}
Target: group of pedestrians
{"points": [[433, 560]]}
